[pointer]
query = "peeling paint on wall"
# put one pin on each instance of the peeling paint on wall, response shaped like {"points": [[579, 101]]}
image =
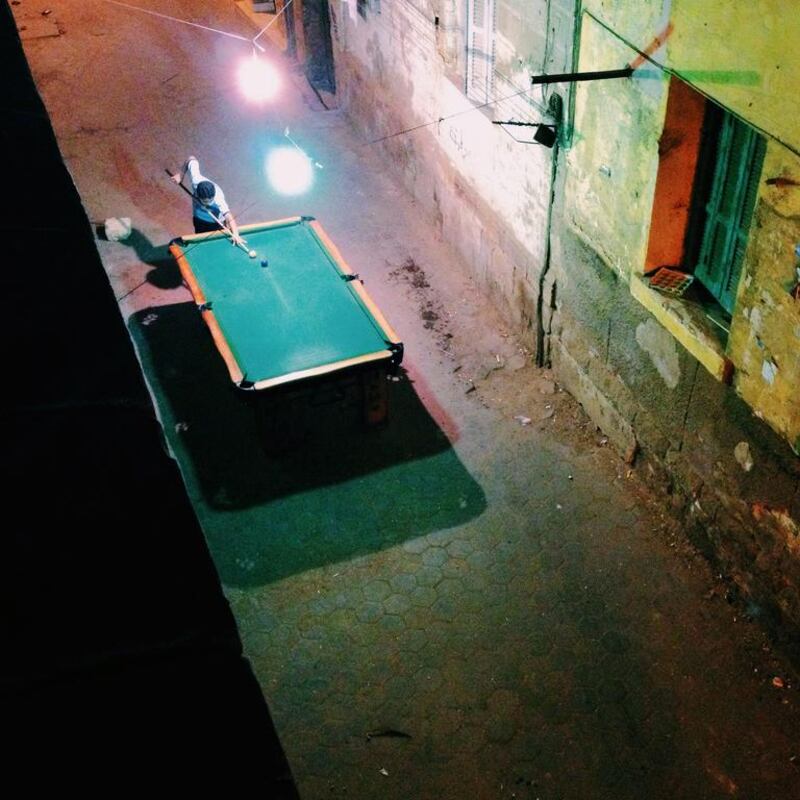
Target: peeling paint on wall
{"points": [[659, 344], [613, 164], [743, 456], [763, 342], [491, 198]]}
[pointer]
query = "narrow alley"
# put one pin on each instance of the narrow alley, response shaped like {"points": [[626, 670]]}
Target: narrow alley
{"points": [[482, 599]]}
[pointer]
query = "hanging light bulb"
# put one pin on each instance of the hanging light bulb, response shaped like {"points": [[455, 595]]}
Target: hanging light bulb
{"points": [[289, 170], [259, 80]]}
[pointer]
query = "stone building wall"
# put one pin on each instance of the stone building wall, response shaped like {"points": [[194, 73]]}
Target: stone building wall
{"points": [[559, 239]]}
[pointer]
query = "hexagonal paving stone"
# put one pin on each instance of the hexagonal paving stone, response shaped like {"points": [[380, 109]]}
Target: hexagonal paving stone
{"points": [[404, 582], [501, 729], [410, 663], [470, 601], [429, 678], [475, 582], [369, 612], [460, 548], [414, 640], [503, 701], [434, 557], [444, 608], [321, 605], [481, 559], [506, 551], [396, 604], [316, 632], [420, 617], [428, 575], [391, 623], [438, 633], [266, 619], [455, 568], [399, 687], [416, 546], [422, 596], [341, 599], [551, 560], [341, 618], [521, 586], [305, 622], [449, 587], [377, 591]]}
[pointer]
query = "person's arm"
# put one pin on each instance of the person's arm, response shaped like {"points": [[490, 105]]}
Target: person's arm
{"points": [[230, 224], [179, 176], [227, 217]]}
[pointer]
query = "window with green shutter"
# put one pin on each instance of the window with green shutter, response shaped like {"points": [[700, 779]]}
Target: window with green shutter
{"points": [[733, 155]]}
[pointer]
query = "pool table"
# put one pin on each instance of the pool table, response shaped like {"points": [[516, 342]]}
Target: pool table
{"points": [[293, 320]]}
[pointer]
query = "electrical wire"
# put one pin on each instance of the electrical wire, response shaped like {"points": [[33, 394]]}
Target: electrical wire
{"points": [[646, 55], [213, 30], [175, 19], [271, 22], [448, 116], [407, 16]]}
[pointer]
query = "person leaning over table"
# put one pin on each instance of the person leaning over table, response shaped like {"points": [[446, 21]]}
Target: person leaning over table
{"points": [[208, 202]]}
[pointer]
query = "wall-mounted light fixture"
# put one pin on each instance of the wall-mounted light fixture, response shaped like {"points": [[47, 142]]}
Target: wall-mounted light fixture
{"points": [[545, 134]]}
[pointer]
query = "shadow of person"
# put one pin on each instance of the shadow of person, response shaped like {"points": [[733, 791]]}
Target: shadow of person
{"points": [[165, 273]]}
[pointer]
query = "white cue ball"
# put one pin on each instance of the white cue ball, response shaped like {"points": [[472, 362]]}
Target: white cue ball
{"points": [[252, 254]]}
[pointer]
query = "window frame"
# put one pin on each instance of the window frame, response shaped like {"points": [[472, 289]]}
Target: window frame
{"points": [[678, 225], [482, 90]]}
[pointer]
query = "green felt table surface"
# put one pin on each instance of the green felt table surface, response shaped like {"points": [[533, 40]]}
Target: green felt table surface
{"points": [[298, 313]]}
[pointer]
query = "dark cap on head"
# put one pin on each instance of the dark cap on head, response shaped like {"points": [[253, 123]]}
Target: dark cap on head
{"points": [[205, 190]]}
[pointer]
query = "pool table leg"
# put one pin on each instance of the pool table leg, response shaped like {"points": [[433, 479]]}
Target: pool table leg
{"points": [[375, 397]]}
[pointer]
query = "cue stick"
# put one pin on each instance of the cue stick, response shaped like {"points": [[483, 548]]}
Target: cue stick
{"points": [[227, 231]]}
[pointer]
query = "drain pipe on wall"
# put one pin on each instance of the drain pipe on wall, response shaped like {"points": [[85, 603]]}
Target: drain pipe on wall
{"points": [[563, 139], [542, 331]]}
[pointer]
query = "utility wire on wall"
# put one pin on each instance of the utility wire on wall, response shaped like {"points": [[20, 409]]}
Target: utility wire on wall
{"points": [[446, 117]]}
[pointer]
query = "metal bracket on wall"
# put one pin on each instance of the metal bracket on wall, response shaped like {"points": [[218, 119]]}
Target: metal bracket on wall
{"points": [[548, 134], [575, 77]]}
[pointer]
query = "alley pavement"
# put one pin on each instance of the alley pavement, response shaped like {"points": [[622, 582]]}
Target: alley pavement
{"points": [[480, 600]]}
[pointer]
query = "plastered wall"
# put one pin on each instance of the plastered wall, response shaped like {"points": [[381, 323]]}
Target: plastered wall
{"points": [[742, 56], [398, 70], [765, 331], [723, 451]]}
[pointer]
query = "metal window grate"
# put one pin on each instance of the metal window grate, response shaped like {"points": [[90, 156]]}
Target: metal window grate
{"points": [[671, 281]]}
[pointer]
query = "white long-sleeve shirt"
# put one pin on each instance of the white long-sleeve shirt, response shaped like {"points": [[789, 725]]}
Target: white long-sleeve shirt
{"points": [[218, 208]]}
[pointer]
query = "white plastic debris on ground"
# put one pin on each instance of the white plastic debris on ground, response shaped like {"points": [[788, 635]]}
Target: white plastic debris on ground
{"points": [[118, 230]]}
